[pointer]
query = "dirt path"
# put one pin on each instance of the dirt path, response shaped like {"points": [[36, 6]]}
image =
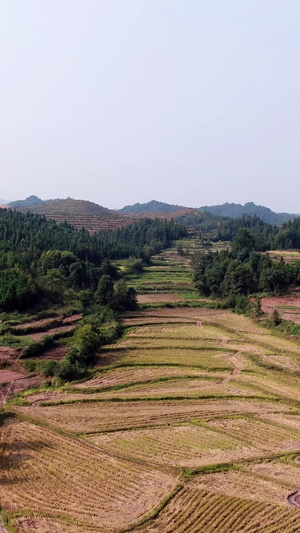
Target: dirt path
{"points": [[223, 342], [235, 359], [238, 363]]}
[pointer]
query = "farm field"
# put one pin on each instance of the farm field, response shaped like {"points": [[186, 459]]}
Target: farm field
{"points": [[189, 423], [288, 306]]}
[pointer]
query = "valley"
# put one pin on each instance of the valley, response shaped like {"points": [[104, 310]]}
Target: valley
{"points": [[193, 410]]}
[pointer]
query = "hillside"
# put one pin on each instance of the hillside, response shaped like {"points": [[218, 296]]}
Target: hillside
{"points": [[80, 214], [91, 216], [238, 211], [150, 207], [28, 202], [69, 207]]}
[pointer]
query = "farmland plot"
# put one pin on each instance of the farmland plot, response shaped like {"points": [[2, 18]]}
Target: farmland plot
{"points": [[200, 399], [176, 446], [123, 376], [195, 509], [44, 471], [96, 417]]}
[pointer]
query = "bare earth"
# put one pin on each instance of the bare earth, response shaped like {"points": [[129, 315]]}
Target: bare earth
{"points": [[158, 298]]}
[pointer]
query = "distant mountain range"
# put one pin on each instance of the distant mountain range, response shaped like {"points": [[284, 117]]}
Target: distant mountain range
{"points": [[238, 211], [224, 210], [150, 207], [69, 207]]}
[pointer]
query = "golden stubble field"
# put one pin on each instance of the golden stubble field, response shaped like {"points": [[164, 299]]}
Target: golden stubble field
{"points": [[190, 423]]}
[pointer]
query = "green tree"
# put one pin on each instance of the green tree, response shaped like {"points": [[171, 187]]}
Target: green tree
{"points": [[105, 291], [243, 244], [124, 297]]}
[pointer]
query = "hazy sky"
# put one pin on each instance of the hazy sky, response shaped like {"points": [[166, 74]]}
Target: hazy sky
{"points": [[118, 101]]}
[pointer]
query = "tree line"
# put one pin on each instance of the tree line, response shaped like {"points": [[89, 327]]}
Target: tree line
{"points": [[43, 262], [266, 236], [242, 270]]}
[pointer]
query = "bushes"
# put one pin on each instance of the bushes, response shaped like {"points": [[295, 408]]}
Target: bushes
{"points": [[118, 297], [133, 266], [36, 348]]}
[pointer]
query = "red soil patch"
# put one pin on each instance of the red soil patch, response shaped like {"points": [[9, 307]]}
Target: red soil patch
{"points": [[276, 302], [54, 354], [23, 384], [41, 334], [48, 322], [7, 376], [8, 354], [158, 298], [37, 324], [72, 319]]}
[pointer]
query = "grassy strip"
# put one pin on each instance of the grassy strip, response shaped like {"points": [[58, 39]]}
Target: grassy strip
{"points": [[14, 342], [161, 398], [179, 365], [199, 304], [190, 473], [156, 511], [133, 348], [6, 521]]}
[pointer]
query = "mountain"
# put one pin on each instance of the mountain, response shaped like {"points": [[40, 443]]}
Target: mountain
{"points": [[239, 210], [67, 207], [150, 207], [80, 214], [28, 202]]}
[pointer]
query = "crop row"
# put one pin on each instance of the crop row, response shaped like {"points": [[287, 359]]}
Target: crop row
{"points": [[176, 446], [108, 416], [48, 472], [265, 436], [194, 510]]}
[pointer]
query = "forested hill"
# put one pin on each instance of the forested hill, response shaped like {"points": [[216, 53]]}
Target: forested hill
{"points": [[150, 207], [28, 242], [26, 233], [238, 211]]}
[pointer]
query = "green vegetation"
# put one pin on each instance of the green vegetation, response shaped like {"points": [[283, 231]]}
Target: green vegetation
{"points": [[42, 262], [242, 271], [193, 395]]}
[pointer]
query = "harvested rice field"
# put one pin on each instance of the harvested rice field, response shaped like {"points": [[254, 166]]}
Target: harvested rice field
{"points": [[191, 422], [80, 479]]}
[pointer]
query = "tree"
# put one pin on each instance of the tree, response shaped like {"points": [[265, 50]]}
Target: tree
{"points": [[243, 244], [105, 291], [276, 318], [124, 297], [257, 311]]}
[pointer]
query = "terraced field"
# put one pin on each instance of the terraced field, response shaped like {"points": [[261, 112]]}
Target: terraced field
{"points": [[191, 422]]}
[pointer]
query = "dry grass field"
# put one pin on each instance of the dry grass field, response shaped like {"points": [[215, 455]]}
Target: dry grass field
{"points": [[190, 423]]}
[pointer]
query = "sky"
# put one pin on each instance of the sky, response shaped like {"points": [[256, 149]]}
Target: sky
{"points": [[192, 102]]}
